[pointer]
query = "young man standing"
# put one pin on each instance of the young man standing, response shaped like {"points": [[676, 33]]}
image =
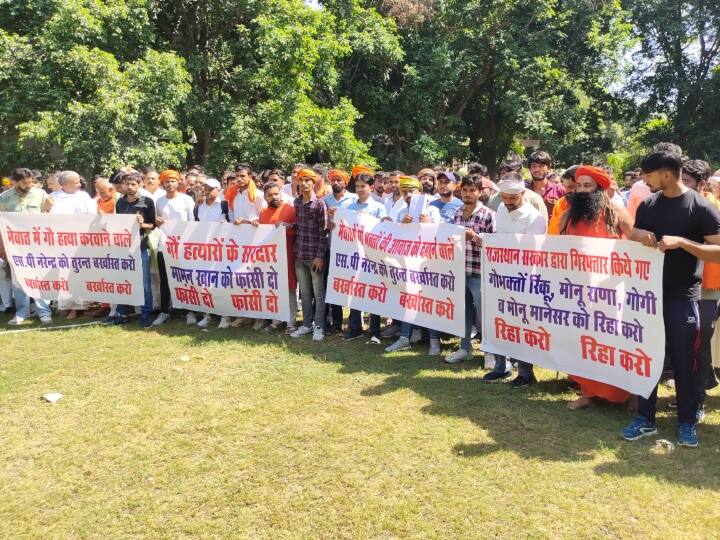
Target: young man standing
{"points": [[173, 206], [394, 202], [365, 204], [409, 334], [515, 216], [26, 199], [447, 204], [686, 227], [539, 164], [477, 219], [310, 245], [339, 198], [281, 214], [143, 208]]}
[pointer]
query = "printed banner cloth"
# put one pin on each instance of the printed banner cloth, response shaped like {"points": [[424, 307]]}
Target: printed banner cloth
{"points": [[411, 272], [585, 306], [85, 257], [226, 269]]}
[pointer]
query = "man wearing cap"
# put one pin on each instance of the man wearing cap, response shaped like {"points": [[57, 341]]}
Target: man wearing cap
{"points": [[427, 180], [26, 199], [446, 203], [515, 216], [539, 164], [513, 164], [409, 334], [339, 198], [477, 219], [173, 206]]}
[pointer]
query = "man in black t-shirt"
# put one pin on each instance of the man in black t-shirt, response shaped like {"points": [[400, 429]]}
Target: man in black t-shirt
{"points": [[144, 208], [686, 227]]}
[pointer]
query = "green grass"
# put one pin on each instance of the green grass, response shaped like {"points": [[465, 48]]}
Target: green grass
{"points": [[176, 433]]}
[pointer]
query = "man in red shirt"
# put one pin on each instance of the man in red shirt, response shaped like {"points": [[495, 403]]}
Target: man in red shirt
{"points": [[281, 214], [539, 164]]}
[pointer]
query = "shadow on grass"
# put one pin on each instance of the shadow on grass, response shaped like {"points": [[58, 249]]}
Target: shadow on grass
{"points": [[532, 423]]}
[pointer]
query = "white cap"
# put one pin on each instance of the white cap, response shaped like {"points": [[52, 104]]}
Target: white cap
{"points": [[511, 187], [213, 183]]}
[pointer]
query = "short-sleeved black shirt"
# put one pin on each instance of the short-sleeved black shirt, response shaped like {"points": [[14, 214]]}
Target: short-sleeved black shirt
{"points": [[689, 216], [144, 205]]}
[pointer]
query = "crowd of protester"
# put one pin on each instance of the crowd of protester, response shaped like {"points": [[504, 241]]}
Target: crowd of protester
{"points": [[671, 202]]}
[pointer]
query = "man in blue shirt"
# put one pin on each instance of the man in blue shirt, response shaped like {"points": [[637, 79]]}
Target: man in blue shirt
{"points": [[447, 204], [367, 205]]}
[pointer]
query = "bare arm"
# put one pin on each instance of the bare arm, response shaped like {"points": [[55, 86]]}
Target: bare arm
{"points": [[708, 252]]}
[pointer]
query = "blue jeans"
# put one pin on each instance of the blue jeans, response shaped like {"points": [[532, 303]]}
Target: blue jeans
{"points": [[406, 328], [311, 284], [355, 321], [473, 308], [22, 304], [123, 310]]}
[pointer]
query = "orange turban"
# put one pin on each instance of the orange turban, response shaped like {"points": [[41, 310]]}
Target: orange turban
{"points": [[167, 174], [357, 169], [600, 176], [303, 173], [336, 173]]}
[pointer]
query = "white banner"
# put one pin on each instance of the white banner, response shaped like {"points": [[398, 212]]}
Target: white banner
{"points": [[84, 257], [411, 272], [590, 307], [226, 269]]}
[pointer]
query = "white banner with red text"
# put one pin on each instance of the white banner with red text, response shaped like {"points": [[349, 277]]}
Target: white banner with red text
{"points": [[411, 272], [590, 307], [85, 257], [226, 269]]}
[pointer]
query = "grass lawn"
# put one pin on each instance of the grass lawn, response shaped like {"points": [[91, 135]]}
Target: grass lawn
{"points": [[177, 433]]}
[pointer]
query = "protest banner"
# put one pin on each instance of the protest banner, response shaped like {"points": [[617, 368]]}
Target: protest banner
{"points": [[85, 257], [226, 269], [411, 272], [590, 307]]}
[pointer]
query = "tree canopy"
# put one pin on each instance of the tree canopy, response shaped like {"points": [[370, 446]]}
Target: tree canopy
{"points": [[95, 84]]}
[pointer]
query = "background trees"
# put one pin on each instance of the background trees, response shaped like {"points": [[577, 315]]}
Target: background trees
{"points": [[92, 84]]}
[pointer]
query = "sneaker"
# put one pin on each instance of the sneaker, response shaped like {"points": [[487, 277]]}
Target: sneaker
{"points": [[110, 319], [46, 319], [458, 356], [145, 322], [290, 330], [204, 322], [639, 428], [700, 414], [331, 330], [17, 321], [416, 335], [374, 340], [434, 349], [402, 344], [191, 319], [318, 333], [522, 382], [302, 331], [687, 436], [350, 335], [489, 360], [161, 319], [224, 323], [496, 376], [390, 331], [259, 324], [119, 320]]}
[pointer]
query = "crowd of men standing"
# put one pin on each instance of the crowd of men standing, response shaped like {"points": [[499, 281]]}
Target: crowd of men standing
{"points": [[671, 203]]}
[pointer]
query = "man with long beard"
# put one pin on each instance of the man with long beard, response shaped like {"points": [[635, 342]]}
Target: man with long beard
{"points": [[592, 213]]}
